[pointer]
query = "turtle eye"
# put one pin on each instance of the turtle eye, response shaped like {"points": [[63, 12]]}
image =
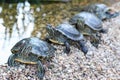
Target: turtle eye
{"points": [[110, 10], [107, 11]]}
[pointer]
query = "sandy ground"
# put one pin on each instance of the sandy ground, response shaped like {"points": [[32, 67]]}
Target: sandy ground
{"points": [[102, 63]]}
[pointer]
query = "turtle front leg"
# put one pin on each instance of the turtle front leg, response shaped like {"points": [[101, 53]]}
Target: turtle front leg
{"points": [[11, 60], [67, 49], [84, 48], [41, 70], [95, 39]]}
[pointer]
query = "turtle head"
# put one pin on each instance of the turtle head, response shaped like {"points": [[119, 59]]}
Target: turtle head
{"points": [[50, 29], [15, 49], [110, 13], [80, 23], [18, 46], [107, 13], [100, 10]]}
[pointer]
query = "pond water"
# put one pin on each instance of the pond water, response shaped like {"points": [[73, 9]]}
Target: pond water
{"points": [[22, 20]]}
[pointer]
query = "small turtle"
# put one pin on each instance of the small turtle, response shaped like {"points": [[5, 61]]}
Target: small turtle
{"points": [[65, 34], [31, 51], [89, 25], [102, 11]]}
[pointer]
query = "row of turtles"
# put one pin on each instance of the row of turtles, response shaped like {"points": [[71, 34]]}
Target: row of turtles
{"points": [[86, 23]]}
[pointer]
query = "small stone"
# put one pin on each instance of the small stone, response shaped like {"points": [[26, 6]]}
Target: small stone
{"points": [[44, 14], [29, 77], [38, 9], [99, 68], [19, 69]]}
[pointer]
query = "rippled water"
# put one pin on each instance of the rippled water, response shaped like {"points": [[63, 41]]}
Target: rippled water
{"points": [[18, 21]]}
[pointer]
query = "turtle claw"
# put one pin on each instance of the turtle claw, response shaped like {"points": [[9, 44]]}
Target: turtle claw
{"points": [[41, 70]]}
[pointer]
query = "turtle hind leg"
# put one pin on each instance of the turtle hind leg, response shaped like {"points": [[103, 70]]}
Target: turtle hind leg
{"points": [[84, 48], [41, 70], [67, 49], [11, 60]]}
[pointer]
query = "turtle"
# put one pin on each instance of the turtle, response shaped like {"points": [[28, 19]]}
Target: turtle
{"points": [[89, 25], [31, 51], [102, 11], [66, 34]]}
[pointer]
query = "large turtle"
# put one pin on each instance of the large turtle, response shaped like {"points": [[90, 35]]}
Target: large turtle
{"points": [[31, 51], [89, 25], [66, 34], [102, 11]]}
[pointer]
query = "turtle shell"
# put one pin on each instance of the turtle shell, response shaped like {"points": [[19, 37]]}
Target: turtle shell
{"points": [[69, 31], [33, 45], [101, 7], [89, 19], [96, 8], [100, 10]]}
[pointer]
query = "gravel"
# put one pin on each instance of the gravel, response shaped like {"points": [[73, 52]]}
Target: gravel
{"points": [[101, 64]]}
